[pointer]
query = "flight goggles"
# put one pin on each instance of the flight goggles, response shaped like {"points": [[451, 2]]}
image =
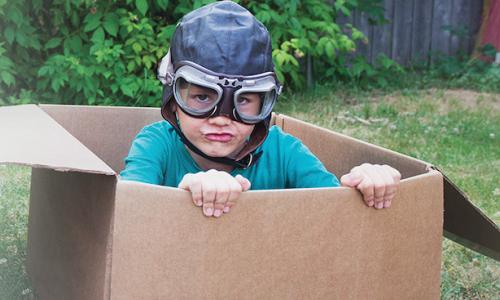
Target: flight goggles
{"points": [[202, 93]]}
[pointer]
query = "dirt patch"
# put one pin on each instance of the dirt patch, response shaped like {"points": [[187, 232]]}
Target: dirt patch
{"points": [[445, 100], [471, 99]]}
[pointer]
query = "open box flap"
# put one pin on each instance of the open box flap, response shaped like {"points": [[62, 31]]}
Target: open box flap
{"points": [[30, 137], [463, 222], [467, 225]]}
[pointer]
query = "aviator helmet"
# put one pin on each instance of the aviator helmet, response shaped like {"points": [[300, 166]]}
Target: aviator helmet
{"points": [[226, 52]]}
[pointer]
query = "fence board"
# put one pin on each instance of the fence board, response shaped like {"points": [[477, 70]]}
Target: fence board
{"points": [[440, 40], [422, 30], [459, 32], [476, 10], [361, 23], [418, 29], [382, 34], [403, 19]]}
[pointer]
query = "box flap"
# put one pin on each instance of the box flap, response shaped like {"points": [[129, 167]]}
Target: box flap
{"points": [[107, 131], [466, 224], [32, 138]]}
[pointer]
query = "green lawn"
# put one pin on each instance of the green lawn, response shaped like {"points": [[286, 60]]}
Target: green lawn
{"points": [[456, 130]]}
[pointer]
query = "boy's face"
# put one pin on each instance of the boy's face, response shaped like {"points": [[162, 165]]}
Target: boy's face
{"points": [[217, 136]]}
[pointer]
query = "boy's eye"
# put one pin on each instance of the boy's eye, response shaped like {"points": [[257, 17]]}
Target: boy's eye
{"points": [[249, 104], [243, 100], [201, 97]]}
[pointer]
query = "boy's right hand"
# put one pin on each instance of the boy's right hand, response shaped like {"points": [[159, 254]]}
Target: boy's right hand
{"points": [[216, 191]]}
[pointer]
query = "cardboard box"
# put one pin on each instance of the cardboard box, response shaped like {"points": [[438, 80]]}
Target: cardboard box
{"points": [[94, 236]]}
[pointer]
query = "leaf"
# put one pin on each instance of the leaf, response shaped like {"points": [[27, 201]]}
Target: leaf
{"points": [[9, 34], [137, 47], [7, 78], [22, 39], [162, 3], [142, 6], [131, 66], [280, 58], [167, 32], [98, 36], [329, 49], [44, 71], [111, 23], [52, 43], [16, 16], [92, 21], [74, 43], [126, 90]]}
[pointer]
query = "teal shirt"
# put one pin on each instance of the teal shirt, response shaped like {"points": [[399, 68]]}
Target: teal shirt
{"points": [[158, 156]]}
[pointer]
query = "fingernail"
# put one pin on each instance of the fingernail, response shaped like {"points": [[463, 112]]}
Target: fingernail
{"points": [[199, 203], [209, 211], [226, 209], [387, 203], [379, 205], [370, 203], [217, 213]]}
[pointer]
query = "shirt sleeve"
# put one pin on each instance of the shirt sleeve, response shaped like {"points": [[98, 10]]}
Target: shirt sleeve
{"points": [[304, 169], [147, 157]]}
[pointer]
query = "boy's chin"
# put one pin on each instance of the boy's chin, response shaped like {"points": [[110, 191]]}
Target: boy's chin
{"points": [[214, 152]]}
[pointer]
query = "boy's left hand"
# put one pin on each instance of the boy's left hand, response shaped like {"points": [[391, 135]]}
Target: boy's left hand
{"points": [[377, 183]]}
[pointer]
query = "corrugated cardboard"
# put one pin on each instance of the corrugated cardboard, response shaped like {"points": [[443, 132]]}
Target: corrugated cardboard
{"points": [[94, 236]]}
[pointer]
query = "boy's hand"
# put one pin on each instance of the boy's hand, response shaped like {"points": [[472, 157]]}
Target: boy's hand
{"points": [[377, 183], [216, 191]]}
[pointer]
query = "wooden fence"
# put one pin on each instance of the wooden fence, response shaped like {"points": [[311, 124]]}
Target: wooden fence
{"points": [[418, 30]]}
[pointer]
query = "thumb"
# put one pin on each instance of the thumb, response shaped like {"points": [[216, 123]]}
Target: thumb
{"points": [[351, 179], [245, 183]]}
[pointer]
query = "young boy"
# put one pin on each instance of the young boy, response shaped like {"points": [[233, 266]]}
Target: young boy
{"points": [[219, 91]]}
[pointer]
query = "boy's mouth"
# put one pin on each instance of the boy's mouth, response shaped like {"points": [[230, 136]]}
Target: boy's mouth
{"points": [[219, 137]]}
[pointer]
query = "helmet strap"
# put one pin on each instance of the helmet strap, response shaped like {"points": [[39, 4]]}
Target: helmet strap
{"points": [[247, 156]]}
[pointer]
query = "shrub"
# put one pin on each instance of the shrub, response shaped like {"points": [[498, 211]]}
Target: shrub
{"points": [[104, 52]]}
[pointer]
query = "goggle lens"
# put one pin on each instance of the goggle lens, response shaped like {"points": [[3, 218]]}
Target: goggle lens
{"points": [[250, 104], [195, 97]]}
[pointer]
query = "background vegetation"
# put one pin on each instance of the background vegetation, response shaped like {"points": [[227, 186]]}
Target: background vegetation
{"points": [[104, 52]]}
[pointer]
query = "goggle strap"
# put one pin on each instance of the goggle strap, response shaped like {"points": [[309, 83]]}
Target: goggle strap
{"points": [[244, 163], [248, 160]]}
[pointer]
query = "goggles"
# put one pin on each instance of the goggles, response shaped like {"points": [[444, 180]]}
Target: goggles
{"points": [[202, 93]]}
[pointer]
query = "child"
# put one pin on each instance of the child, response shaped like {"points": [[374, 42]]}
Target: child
{"points": [[219, 91]]}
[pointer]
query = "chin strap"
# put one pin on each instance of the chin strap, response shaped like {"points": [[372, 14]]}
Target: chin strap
{"points": [[247, 156]]}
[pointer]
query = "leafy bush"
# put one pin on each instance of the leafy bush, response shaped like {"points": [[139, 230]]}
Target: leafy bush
{"points": [[105, 52], [460, 71]]}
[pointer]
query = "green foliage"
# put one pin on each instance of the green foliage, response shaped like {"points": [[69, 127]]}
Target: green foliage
{"points": [[105, 52], [462, 72]]}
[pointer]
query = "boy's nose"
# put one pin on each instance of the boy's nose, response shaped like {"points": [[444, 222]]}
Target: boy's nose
{"points": [[219, 120]]}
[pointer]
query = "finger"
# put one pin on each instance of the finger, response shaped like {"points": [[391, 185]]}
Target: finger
{"points": [[190, 183], [235, 192], [391, 187], [245, 183], [379, 184], [221, 196], [196, 193], [394, 173], [208, 192], [366, 188], [351, 179], [186, 180]]}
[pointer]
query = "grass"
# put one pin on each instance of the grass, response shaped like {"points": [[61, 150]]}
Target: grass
{"points": [[14, 195], [455, 130]]}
